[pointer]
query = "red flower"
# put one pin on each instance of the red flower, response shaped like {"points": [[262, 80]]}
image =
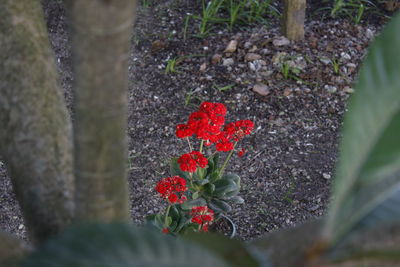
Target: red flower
{"points": [[183, 130], [203, 216], [165, 231], [190, 161], [241, 152], [172, 189], [237, 130], [223, 142], [224, 146]]}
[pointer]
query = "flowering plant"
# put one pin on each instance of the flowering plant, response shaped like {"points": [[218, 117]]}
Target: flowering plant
{"points": [[200, 191]]}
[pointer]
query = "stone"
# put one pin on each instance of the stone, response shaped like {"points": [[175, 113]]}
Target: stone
{"points": [[281, 41], [261, 89], [287, 92], [330, 88], [251, 57], [326, 176], [325, 60], [351, 65], [369, 34], [228, 62], [348, 90], [203, 67], [232, 46], [345, 56], [216, 59]]}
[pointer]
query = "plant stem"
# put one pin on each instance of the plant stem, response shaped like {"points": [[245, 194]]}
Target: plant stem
{"points": [[221, 172], [166, 216], [201, 146], [190, 145], [212, 155]]}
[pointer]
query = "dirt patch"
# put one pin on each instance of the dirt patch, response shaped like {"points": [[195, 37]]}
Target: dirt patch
{"points": [[287, 170]]}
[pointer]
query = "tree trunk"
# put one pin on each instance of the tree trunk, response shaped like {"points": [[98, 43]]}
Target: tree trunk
{"points": [[35, 130], [101, 32], [293, 19]]}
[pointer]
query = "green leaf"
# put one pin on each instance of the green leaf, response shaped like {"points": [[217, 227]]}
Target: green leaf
{"points": [[155, 220], [199, 174], [367, 184], [209, 188], [187, 205], [119, 245], [202, 182], [214, 176], [236, 200], [233, 251], [224, 186], [219, 206], [213, 164], [231, 176], [176, 170], [195, 195]]}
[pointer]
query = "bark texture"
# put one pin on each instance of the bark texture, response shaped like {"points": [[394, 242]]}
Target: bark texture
{"points": [[293, 19], [101, 32], [35, 129]]}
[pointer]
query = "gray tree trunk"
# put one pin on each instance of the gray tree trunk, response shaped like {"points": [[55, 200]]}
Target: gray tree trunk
{"points": [[101, 32], [35, 130], [293, 19]]}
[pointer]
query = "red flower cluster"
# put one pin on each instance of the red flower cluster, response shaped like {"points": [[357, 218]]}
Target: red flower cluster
{"points": [[205, 123], [172, 189], [202, 216], [237, 130], [190, 161]]}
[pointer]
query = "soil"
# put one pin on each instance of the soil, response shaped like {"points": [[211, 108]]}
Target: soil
{"points": [[288, 166]]}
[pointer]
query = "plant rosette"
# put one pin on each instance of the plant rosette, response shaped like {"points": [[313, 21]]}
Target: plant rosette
{"points": [[200, 192]]}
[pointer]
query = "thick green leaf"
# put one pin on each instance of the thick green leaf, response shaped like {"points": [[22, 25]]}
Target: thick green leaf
{"points": [[224, 186], [233, 251], [209, 188], [236, 200], [175, 170], [119, 245], [367, 184], [187, 205], [219, 206], [234, 177], [155, 220]]}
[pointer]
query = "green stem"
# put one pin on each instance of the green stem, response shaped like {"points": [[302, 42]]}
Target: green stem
{"points": [[190, 145], [166, 216], [201, 146], [221, 172], [212, 155]]}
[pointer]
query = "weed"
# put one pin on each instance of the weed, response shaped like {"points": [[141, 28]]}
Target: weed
{"points": [[223, 88], [285, 70], [209, 15], [354, 9], [289, 71], [189, 96], [145, 3], [235, 10], [230, 13], [172, 65], [336, 66], [289, 192]]}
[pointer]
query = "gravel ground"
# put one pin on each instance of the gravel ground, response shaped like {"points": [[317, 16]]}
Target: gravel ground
{"points": [[287, 170]]}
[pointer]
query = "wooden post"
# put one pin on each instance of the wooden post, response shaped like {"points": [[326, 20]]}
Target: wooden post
{"points": [[293, 19]]}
